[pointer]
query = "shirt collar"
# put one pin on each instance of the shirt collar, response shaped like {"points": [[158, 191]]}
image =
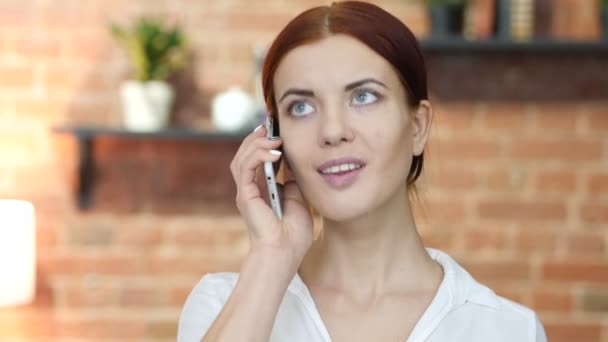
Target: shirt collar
{"points": [[461, 285]]}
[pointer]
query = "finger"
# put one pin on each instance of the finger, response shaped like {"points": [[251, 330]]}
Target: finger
{"points": [[260, 180], [258, 132], [248, 188], [248, 148]]}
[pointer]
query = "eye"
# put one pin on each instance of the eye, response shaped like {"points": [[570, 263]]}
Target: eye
{"points": [[363, 97], [300, 109]]}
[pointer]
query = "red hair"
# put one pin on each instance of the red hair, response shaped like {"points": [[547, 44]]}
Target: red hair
{"points": [[370, 24]]}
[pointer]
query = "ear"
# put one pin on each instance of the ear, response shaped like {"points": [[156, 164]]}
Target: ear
{"points": [[421, 126]]}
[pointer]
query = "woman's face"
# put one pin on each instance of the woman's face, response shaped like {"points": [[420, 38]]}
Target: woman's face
{"points": [[337, 98]]}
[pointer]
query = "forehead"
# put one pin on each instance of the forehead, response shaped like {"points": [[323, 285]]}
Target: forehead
{"points": [[335, 60]]}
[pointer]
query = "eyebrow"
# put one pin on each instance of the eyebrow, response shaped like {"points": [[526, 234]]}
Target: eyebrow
{"points": [[348, 87]]}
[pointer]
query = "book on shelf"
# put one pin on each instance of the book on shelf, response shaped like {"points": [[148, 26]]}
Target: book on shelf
{"points": [[576, 20], [522, 20], [479, 19]]}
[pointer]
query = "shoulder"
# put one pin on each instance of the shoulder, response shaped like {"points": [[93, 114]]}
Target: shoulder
{"points": [[476, 310], [490, 315]]}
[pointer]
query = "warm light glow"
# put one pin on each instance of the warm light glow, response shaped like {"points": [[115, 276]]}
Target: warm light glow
{"points": [[17, 252]]}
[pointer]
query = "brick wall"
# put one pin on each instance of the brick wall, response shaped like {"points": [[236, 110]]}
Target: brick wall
{"points": [[516, 185]]}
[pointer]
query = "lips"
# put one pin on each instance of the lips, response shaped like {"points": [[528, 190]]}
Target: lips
{"points": [[345, 178], [340, 161]]}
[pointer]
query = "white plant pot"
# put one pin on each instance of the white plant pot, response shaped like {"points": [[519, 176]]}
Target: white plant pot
{"points": [[233, 110], [146, 105]]}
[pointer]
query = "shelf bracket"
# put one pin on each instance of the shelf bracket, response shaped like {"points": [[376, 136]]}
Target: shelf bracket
{"points": [[86, 170]]}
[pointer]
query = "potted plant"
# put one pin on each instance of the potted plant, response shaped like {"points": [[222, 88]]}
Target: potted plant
{"points": [[156, 51], [447, 17]]}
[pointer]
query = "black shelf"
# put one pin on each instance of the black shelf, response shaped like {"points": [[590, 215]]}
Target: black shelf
{"points": [[86, 138], [541, 46], [86, 132]]}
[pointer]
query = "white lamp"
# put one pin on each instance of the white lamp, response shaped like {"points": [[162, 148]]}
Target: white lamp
{"points": [[17, 252]]}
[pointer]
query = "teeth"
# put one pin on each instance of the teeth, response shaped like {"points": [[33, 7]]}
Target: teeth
{"points": [[341, 168]]}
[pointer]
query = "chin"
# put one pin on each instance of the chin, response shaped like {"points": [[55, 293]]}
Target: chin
{"points": [[340, 210]]}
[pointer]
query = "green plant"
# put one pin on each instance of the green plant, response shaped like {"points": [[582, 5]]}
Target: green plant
{"points": [[156, 51]]}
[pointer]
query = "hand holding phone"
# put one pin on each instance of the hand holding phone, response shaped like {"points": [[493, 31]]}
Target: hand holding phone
{"points": [[273, 223]]}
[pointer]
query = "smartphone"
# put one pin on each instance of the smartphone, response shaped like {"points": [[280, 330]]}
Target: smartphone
{"points": [[271, 182]]}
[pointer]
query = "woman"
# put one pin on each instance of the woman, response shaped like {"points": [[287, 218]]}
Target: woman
{"points": [[347, 85]]}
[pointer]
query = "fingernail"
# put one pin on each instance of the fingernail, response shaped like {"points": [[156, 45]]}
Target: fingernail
{"points": [[274, 138], [275, 152], [257, 128]]}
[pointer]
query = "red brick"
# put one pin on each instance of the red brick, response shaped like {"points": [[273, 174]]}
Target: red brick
{"points": [[100, 328], [485, 240], [507, 116], [572, 271], [57, 17], [454, 117], [545, 300], [162, 329], [568, 332], [511, 292], [18, 324], [48, 110], [562, 117], [595, 300], [562, 181], [192, 266], [80, 263], [586, 243], [39, 45], [450, 178], [562, 150], [58, 77], [521, 210], [594, 213], [211, 238], [459, 149], [532, 241], [438, 239], [241, 21], [142, 296], [178, 294], [499, 271], [16, 77], [140, 238], [505, 179], [45, 294], [97, 234], [598, 118], [102, 295], [598, 183], [91, 49], [444, 210]]}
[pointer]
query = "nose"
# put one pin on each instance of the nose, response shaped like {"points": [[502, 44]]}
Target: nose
{"points": [[335, 128]]}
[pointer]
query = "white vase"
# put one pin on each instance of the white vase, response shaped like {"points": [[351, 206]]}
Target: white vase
{"points": [[233, 110], [146, 105]]}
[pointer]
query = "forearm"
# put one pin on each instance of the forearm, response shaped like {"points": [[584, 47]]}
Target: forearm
{"points": [[251, 309]]}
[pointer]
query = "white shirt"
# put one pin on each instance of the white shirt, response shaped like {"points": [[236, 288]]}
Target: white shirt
{"points": [[462, 310]]}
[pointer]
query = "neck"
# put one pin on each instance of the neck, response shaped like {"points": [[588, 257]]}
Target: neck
{"points": [[369, 256]]}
